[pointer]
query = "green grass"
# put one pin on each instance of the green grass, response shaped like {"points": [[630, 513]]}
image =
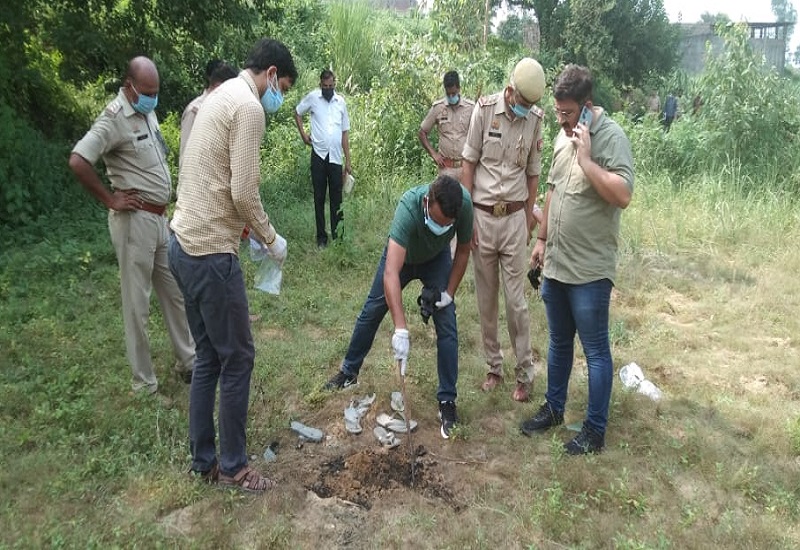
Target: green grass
{"points": [[706, 302]]}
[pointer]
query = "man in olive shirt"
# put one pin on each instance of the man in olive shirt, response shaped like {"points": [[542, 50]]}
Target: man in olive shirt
{"points": [[451, 115], [219, 194], [590, 182], [127, 136], [426, 219], [502, 161]]}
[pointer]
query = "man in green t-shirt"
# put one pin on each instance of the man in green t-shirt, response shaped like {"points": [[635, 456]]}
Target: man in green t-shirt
{"points": [[589, 184], [426, 219]]}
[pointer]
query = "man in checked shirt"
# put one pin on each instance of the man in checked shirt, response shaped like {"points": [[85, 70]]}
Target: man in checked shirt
{"points": [[219, 194]]}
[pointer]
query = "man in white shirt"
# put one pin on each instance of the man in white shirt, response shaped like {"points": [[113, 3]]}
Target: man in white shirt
{"points": [[330, 149]]}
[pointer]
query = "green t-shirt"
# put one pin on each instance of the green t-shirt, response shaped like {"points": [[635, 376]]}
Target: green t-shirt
{"points": [[582, 228], [409, 231]]}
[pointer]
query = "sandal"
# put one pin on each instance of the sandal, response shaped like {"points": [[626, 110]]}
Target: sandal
{"points": [[247, 480], [386, 438], [396, 422]]}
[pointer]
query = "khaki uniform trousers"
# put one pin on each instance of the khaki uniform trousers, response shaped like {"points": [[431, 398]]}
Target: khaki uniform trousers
{"points": [[140, 240], [502, 250]]}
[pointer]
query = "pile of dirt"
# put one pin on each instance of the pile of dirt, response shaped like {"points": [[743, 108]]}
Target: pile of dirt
{"points": [[370, 474]]}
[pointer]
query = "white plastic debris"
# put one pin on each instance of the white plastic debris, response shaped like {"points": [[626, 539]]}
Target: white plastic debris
{"points": [[633, 378]]}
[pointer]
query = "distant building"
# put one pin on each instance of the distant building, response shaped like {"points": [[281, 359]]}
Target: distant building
{"points": [[769, 39]]}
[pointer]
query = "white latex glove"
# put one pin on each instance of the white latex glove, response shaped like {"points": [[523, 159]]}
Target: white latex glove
{"points": [[444, 301], [278, 248], [400, 345]]}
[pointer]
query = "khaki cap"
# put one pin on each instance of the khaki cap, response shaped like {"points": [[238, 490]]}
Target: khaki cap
{"points": [[528, 79]]}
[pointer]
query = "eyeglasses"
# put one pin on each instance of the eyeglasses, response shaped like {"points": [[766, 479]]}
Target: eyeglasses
{"points": [[563, 114]]}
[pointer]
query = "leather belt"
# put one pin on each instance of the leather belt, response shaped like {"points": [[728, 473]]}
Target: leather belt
{"points": [[157, 209], [452, 163], [501, 208]]}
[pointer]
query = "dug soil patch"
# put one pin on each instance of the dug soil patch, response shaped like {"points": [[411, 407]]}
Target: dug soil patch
{"points": [[370, 474]]}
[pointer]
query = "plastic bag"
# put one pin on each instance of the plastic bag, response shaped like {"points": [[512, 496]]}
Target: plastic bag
{"points": [[349, 182], [270, 272]]}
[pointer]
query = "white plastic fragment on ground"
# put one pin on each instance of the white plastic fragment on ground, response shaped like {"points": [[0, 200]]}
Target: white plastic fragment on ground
{"points": [[633, 378]]}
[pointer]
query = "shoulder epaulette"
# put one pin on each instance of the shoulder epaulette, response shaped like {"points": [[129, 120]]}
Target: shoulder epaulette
{"points": [[439, 101], [537, 111], [489, 100], [467, 101], [113, 108]]}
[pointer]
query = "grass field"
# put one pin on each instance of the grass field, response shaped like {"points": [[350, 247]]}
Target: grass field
{"points": [[706, 302]]}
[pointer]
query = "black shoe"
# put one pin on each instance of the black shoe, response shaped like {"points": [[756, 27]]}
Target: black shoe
{"points": [[448, 416], [544, 418], [340, 382], [588, 441]]}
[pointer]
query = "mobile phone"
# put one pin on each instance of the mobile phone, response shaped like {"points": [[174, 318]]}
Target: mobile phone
{"points": [[586, 116]]}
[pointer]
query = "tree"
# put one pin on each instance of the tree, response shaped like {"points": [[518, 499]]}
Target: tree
{"points": [[714, 18]]}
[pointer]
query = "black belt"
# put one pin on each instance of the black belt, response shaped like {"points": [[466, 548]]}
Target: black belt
{"points": [[501, 208]]}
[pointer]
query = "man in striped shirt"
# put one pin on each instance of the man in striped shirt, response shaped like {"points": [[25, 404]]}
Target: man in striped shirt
{"points": [[218, 195]]}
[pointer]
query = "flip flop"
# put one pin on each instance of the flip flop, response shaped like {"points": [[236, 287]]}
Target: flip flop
{"points": [[362, 405], [394, 423], [386, 438], [397, 402], [311, 434], [352, 420]]}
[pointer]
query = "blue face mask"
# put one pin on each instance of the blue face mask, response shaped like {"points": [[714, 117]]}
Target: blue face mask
{"points": [[145, 104], [272, 98], [519, 111], [431, 224], [453, 99]]}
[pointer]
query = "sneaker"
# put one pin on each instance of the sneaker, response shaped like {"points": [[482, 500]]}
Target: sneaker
{"points": [[588, 441], [340, 381], [544, 418], [448, 416]]}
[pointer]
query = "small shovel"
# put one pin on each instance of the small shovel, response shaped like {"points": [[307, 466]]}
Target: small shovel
{"points": [[406, 416]]}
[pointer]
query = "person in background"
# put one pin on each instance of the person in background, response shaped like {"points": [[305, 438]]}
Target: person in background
{"points": [[217, 72], [127, 137], [589, 184], [426, 219], [219, 194], [450, 115], [502, 161], [670, 111], [330, 149]]}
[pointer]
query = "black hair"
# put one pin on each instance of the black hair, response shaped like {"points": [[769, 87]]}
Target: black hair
{"points": [[211, 66], [575, 83], [451, 79], [268, 52], [221, 73], [446, 192], [326, 74]]}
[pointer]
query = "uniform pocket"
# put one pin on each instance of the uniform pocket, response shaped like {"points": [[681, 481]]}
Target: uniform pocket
{"points": [[145, 149]]}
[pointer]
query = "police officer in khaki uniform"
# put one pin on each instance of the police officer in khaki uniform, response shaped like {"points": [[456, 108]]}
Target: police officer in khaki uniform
{"points": [[451, 116], [127, 136], [502, 161]]}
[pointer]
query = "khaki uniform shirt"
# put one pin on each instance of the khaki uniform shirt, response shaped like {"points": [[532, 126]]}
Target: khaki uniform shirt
{"points": [[132, 148], [452, 122], [504, 149], [582, 228], [187, 119], [220, 173]]}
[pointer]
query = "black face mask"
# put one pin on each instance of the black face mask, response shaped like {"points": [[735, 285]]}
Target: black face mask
{"points": [[327, 93]]}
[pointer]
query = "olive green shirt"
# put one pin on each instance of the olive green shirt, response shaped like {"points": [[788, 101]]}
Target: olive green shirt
{"points": [[132, 148], [452, 122], [582, 228]]}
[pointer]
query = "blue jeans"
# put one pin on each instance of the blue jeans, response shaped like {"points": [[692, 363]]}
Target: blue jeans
{"points": [[434, 273], [216, 307], [582, 308]]}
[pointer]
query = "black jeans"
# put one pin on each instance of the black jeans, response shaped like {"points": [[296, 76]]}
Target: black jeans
{"points": [[325, 175]]}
